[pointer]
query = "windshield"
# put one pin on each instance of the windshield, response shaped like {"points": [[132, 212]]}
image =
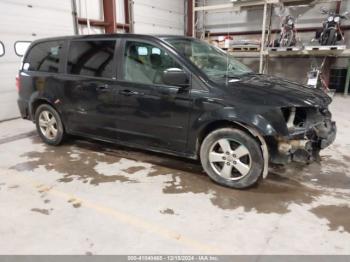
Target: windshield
{"points": [[214, 62]]}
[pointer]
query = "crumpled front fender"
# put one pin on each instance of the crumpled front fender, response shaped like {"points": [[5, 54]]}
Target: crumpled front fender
{"points": [[268, 122]]}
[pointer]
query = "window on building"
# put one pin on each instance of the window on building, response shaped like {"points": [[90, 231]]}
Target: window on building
{"points": [[91, 58], [145, 63], [21, 47], [2, 49], [44, 57]]}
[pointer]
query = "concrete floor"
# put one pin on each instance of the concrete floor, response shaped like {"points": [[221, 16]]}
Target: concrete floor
{"points": [[89, 197]]}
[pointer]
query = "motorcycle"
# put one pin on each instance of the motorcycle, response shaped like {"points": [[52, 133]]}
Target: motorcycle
{"points": [[288, 33], [331, 32]]}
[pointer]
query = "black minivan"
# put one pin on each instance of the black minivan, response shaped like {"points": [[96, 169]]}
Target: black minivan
{"points": [[176, 95]]}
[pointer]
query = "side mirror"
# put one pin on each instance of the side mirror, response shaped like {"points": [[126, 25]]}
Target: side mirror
{"points": [[175, 77]]}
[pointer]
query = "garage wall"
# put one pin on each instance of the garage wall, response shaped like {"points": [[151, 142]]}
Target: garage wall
{"points": [[159, 16], [26, 20]]}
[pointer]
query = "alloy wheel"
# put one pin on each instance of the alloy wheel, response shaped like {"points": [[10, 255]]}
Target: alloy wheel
{"points": [[230, 159], [48, 124]]}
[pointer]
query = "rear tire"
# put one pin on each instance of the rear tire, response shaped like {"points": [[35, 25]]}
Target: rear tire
{"points": [[232, 158], [49, 125]]}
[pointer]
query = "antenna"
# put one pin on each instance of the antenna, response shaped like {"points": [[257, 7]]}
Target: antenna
{"points": [[228, 37]]}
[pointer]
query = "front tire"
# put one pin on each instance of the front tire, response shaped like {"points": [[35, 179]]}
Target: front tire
{"points": [[49, 125], [232, 158], [328, 38], [332, 37], [288, 39]]}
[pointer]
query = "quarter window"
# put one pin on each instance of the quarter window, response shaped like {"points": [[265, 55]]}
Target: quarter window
{"points": [[21, 47], [2, 49], [44, 57], [145, 63], [91, 58]]}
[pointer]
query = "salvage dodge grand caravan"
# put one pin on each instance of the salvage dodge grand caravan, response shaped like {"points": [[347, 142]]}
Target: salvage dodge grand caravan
{"points": [[175, 95]]}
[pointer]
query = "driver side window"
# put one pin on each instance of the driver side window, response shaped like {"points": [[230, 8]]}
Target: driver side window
{"points": [[145, 63]]}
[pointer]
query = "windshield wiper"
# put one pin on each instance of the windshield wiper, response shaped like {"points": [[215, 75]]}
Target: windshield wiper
{"points": [[237, 75]]}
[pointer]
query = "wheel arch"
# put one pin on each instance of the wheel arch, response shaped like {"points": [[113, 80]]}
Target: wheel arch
{"points": [[36, 102], [214, 125]]}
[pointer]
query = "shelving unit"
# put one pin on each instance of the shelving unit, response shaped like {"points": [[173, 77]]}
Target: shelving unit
{"points": [[312, 51], [302, 53], [264, 52]]}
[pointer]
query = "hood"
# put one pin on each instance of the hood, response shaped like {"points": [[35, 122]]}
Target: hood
{"points": [[267, 90]]}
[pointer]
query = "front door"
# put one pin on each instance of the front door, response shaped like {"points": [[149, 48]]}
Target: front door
{"points": [[151, 113]]}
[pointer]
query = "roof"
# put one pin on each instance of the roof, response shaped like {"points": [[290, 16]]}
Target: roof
{"points": [[113, 36]]}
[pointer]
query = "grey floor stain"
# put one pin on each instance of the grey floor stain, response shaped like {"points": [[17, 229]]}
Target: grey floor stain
{"points": [[75, 203], [41, 211], [17, 137], [347, 158], [72, 168], [338, 216], [273, 195], [328, 172], [134, 169], [168, 211]]}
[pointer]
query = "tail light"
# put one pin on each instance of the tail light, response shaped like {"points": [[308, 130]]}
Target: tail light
{"points": [[18, 83]]}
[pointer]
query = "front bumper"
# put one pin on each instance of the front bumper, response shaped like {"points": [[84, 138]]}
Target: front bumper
{"points": [[303, 148], [330, 136]]}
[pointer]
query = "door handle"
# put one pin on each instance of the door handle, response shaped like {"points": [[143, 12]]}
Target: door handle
{"points": [[102, 88], [127, 92]]}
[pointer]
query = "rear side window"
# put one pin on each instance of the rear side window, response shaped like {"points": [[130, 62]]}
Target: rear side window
{"points": [[2, 49], [44, 57], [91, 58]]}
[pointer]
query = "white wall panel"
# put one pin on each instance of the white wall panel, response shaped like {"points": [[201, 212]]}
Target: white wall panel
{"points": [[26, 20], [92, 9], [83, 30], [120, 11], [159, 16]]}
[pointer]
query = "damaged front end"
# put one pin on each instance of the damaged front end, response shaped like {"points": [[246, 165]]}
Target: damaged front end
{"points": [[310, 130]]}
